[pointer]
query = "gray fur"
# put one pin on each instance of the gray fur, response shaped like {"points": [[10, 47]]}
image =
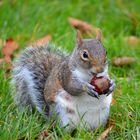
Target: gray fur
{"points": [[40, 74], [30, 72]]}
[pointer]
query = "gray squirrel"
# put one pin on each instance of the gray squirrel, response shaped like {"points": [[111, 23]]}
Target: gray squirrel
{"points": [[54, 82]]}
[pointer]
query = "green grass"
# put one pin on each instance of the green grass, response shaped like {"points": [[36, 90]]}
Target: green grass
{"points": [[27, 20]]}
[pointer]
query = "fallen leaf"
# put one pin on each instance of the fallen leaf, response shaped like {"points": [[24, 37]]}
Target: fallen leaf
{"points": [[9, 47], [6, 59], [133, 40], [43, 135], [122, 61], [105, 133], [42, 41], [83, 26], [113, 101]]}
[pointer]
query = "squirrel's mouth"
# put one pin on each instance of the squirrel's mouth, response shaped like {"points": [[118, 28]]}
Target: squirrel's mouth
{"points": [[93, 73]]}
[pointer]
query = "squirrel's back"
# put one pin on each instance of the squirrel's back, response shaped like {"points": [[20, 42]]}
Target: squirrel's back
{"points": [[30, 72]]}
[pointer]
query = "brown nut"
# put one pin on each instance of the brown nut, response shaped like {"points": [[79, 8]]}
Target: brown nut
{"points": [[101, 84]]}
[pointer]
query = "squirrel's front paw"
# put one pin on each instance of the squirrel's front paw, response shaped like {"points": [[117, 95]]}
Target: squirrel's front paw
{"points": [[112, 86], [91, 91]]}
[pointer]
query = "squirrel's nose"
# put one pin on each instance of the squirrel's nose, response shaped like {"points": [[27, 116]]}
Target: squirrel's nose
{"points": [[99, 69]]}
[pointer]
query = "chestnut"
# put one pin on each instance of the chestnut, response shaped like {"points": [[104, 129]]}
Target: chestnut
{"points": [[101, 84]]}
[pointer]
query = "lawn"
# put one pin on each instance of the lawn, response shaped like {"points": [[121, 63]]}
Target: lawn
{"points": [[26, 21]]}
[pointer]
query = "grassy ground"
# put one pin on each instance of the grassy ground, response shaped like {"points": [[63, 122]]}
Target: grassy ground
{"points": [[27, 20]]}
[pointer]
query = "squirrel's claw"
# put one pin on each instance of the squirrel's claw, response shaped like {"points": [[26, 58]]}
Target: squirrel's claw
{"points": [[92, 92], [111, 88]]}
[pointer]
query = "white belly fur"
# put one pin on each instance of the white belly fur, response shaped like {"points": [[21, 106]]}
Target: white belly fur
{"points": [[89, 112]]}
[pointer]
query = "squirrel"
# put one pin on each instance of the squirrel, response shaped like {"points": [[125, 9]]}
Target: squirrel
{"points": [[55, 82]]}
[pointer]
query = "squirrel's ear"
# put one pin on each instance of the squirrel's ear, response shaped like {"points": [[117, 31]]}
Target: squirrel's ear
{"points": [[98, 34], [79, 39]]}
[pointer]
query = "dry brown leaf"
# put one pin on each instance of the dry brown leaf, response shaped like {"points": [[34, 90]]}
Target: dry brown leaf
{"points": [[110, 125], [133, 40], [42, 41], [122, 61], [43, 135], [6, 59], [105, 133], [9, 47], [83, 26], [113, 101]]}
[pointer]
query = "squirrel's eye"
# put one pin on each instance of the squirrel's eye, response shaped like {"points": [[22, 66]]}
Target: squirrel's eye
{"points": [[85, 55]]}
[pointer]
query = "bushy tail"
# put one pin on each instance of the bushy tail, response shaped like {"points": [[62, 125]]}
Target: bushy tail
{"points": [[30, 72]]}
